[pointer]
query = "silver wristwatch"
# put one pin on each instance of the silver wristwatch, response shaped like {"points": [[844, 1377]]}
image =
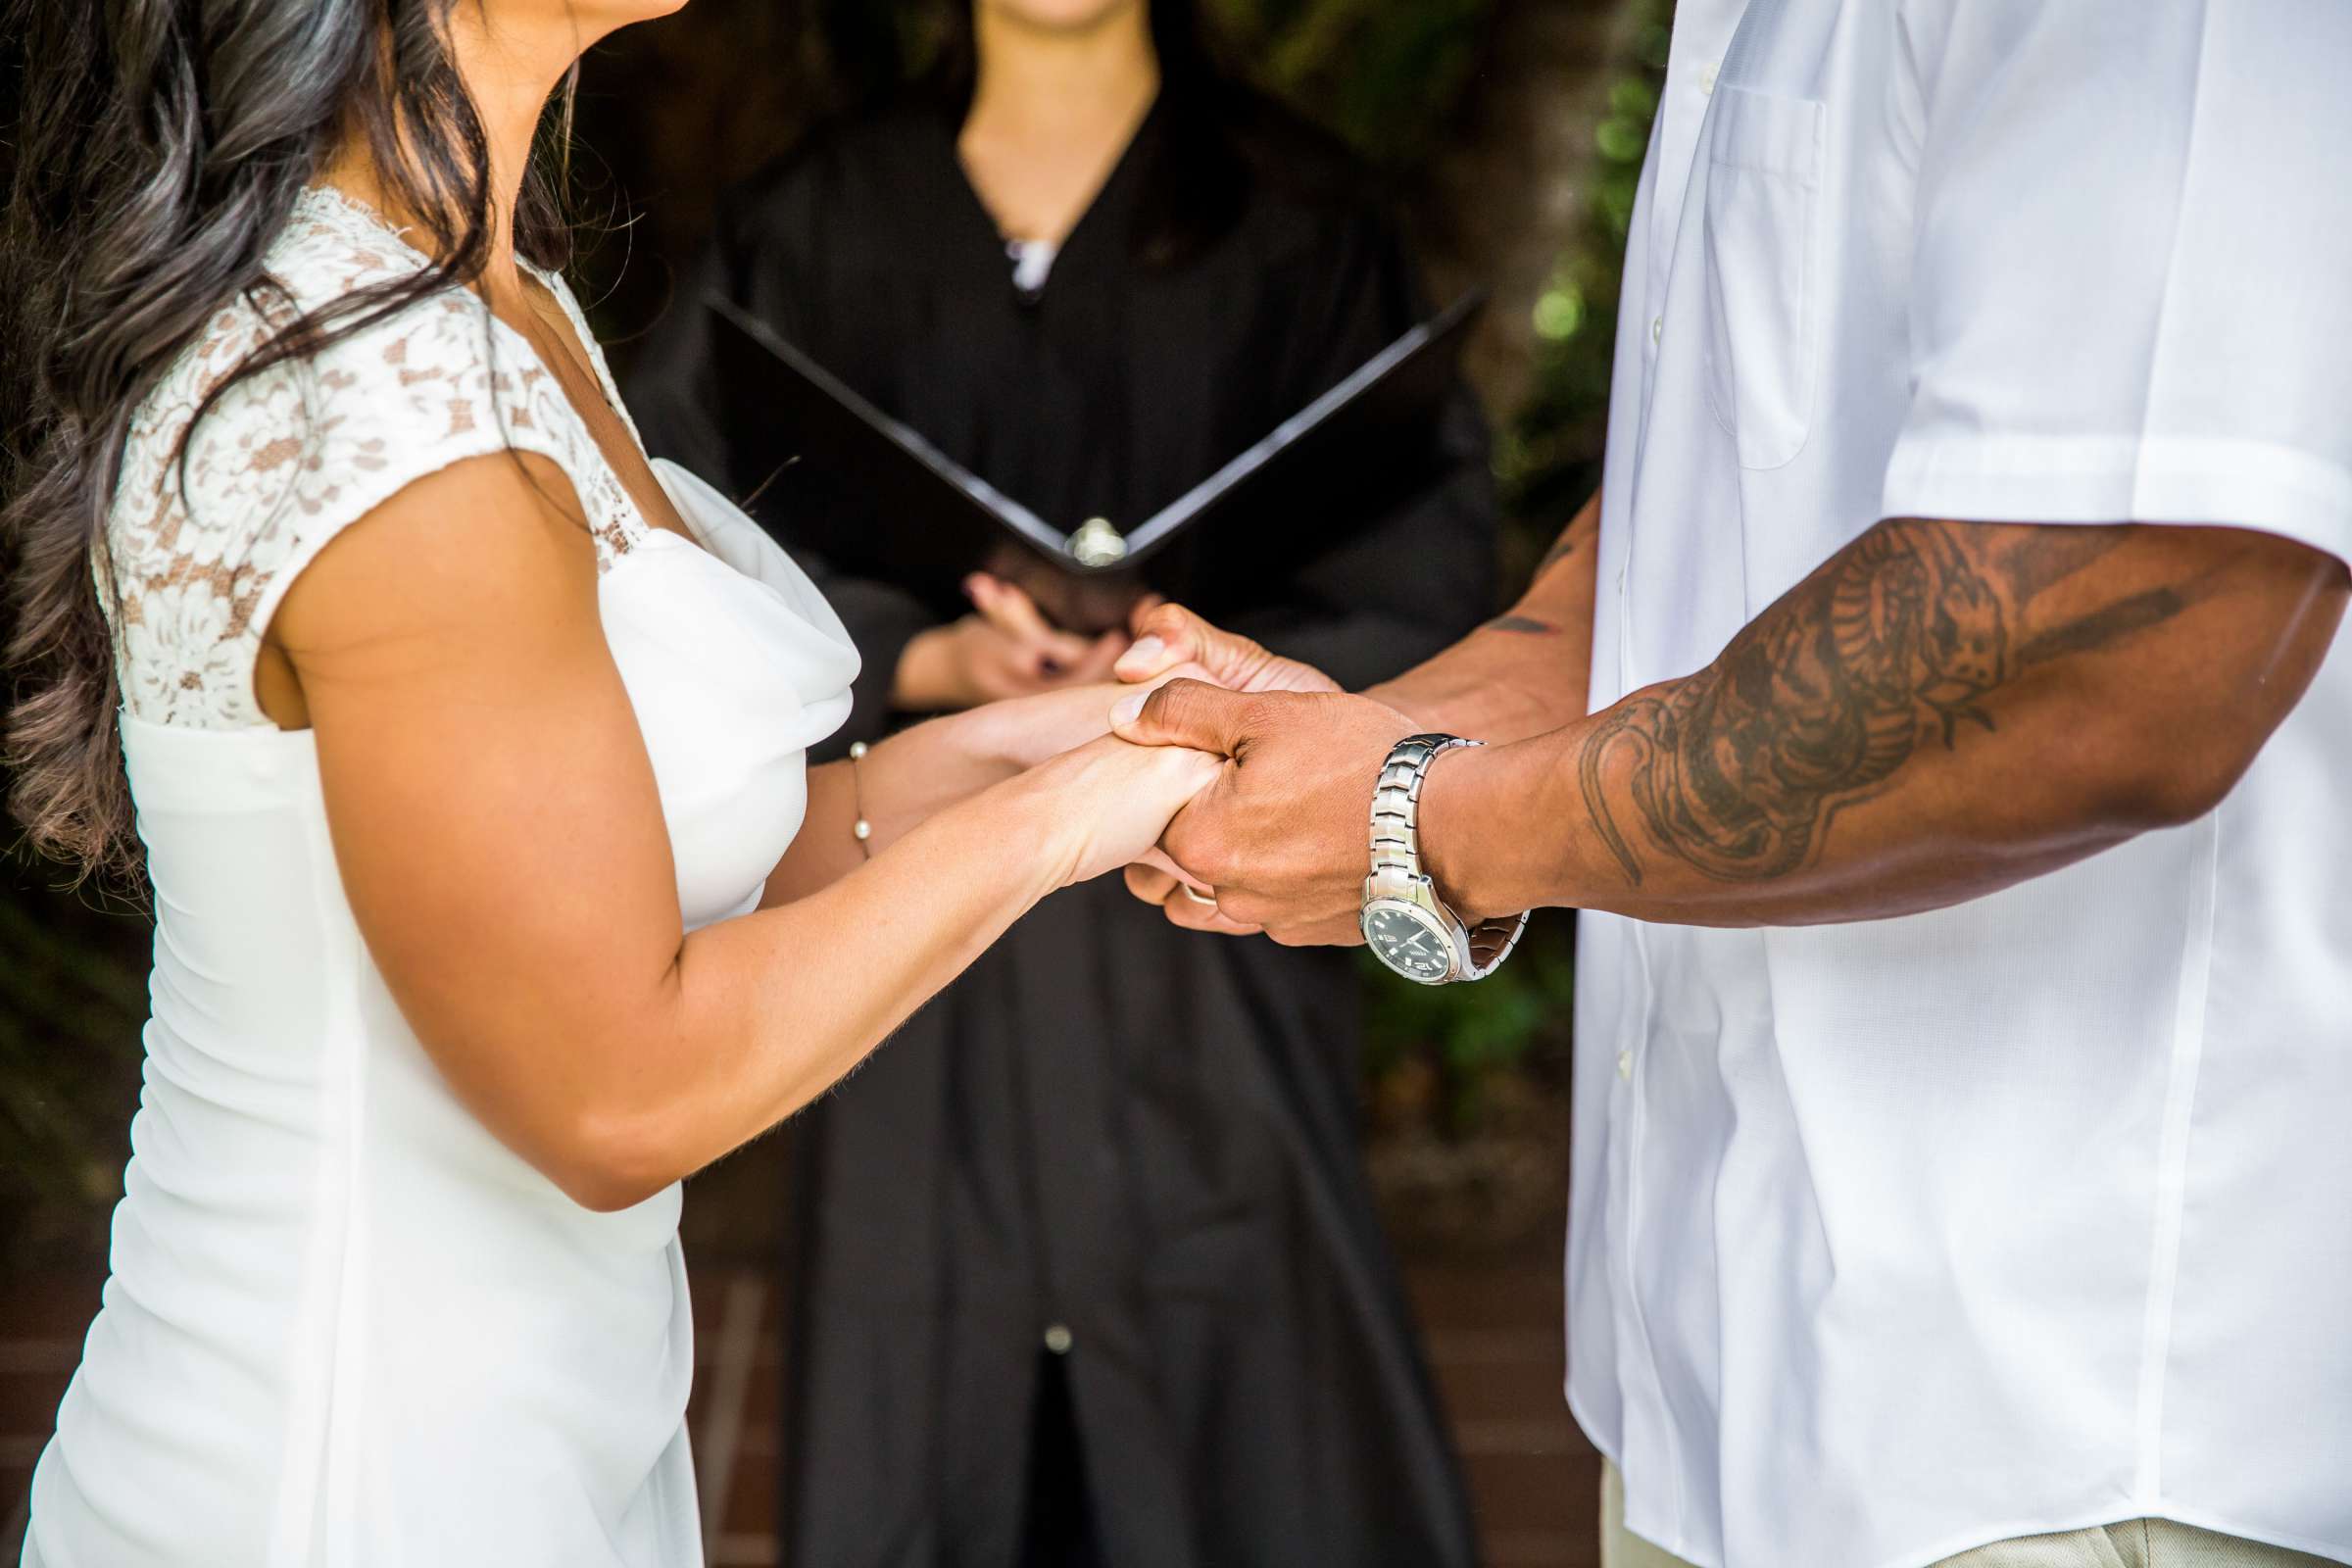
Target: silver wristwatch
{"points": [[1407, 926]]}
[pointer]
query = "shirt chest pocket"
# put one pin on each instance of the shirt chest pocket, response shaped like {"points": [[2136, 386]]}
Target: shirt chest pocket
{"points": [[1762, 269]]}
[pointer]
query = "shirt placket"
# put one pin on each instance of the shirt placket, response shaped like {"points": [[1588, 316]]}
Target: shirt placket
{"points": [[1650, 1454], [1703, 31]]}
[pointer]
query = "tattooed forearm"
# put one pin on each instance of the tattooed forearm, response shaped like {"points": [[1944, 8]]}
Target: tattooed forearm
{"points": [[2101, 627], [1897, 643]]}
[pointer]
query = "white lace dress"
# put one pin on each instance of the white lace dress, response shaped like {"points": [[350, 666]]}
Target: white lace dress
{"points": [[345, 1326]]}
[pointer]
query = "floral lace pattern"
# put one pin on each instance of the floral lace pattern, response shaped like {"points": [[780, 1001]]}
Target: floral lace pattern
{"points": [[288, 458]]}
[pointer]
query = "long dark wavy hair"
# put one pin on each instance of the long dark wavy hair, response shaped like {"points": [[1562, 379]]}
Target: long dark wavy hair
{"points": [[160, 146]]}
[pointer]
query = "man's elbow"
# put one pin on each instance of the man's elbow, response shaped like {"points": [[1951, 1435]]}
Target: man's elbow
{"points": [[2174, 786]]}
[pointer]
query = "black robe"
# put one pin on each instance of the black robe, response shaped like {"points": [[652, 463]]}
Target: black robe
{"points": [[1111, 1135]]}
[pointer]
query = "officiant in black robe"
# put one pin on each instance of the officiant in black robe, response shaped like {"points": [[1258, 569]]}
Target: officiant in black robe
{"points": [[1087, 1268]]}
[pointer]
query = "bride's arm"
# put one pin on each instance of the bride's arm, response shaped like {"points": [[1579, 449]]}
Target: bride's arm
{"points": [[907, 779], [501, 841]]}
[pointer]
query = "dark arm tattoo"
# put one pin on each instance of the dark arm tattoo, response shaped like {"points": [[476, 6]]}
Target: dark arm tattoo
{"points": [[1561, 549], [2103, 626], [1739, 770], [1572, 539]]}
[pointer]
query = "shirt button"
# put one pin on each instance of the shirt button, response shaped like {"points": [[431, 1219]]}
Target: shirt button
{"points": [[1059, 1339], [1625, 1065], [1706, 78], [1658, 328]]}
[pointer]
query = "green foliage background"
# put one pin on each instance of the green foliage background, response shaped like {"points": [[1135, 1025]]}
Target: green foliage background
{"points": [[1386, 75], [1549, 455], [1548, 459], [1393, 76]]}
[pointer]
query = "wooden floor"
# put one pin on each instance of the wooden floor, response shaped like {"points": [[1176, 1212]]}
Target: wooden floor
{"points": [[1494, 1343], [1494, 1339]]}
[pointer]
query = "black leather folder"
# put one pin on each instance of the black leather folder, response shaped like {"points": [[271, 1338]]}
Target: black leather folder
{"points": [[943, 520]]}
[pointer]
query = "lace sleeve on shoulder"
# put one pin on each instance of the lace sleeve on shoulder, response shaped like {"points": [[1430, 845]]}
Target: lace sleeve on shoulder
{"points": [[288, 459]]}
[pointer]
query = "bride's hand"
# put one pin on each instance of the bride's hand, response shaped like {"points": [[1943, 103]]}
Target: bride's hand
{"points": [[1172, 643], [921, 772], [1111, 800], [1022, 732]]}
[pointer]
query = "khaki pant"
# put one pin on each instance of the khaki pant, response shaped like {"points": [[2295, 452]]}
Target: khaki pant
{"points": [[2133, 1543]]}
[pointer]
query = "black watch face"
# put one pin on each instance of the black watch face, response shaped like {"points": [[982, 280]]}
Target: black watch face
{"points": [[1407, 942]]}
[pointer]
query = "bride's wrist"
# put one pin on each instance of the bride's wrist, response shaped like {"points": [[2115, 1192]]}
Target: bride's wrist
{"points": [[1022, 732], [986, 737], [1031, 807]]}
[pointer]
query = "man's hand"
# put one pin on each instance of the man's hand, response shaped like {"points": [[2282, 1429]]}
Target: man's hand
{"points": [[1169, 637], [1520, 675], [1283, 835]]}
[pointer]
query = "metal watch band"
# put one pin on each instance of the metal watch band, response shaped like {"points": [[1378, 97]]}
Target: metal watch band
{"points": [[1397, 839], [1396, 801]]}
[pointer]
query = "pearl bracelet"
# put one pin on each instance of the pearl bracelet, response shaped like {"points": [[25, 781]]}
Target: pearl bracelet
{"points": [[861, 830]]}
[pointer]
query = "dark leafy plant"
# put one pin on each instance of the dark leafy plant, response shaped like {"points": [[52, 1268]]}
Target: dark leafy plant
{"points": [[1549, 454], [73, 995], [1386, 76], [1460, 1038]]}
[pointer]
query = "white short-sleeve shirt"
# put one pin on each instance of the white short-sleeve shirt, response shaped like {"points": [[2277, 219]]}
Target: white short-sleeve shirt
{"points": [[1892, 1239]]}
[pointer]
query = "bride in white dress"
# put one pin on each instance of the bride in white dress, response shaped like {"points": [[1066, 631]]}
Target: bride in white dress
{"points": [[493, 896]]}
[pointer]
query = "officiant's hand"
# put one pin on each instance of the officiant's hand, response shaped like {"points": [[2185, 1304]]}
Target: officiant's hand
{"points": [[1280, 837], [1005, 648]]}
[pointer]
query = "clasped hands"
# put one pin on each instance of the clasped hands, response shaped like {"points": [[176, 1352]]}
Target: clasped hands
{"points": [[1280, 841]]}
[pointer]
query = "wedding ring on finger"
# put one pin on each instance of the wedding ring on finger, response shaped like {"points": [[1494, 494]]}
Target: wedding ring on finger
{"points": [[1198, 897]]}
